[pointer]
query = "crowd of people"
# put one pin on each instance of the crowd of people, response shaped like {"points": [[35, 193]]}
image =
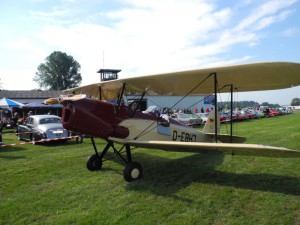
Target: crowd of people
{"points": [[169, 111]]}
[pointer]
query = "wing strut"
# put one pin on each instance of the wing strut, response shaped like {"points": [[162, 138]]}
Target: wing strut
{"points": [[231, 113], [100, 93], [139, 103], [120, 96], [216, 105]]}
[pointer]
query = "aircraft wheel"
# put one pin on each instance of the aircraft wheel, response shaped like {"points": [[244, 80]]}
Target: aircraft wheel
{"points": [[132, 171], [94, 163]]}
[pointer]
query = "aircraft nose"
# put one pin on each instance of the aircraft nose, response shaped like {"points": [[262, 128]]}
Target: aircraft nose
{"points": [[67, 111], [92, 117]]}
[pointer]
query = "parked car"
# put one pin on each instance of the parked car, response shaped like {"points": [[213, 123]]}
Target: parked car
{"points": [[241, 115], [187, 119], [224, 118], [267, 112], [42, 127], [274, 112], [203, 116], [250, 114], [197, 120], [260, 113]]}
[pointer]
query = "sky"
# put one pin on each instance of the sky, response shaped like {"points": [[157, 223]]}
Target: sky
{"points": [[148, 37]]}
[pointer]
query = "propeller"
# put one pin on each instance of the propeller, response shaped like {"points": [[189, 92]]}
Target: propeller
{"points": [[62, 98]]}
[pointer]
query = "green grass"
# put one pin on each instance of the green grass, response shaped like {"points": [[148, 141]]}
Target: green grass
{"points": [[49, 184]]}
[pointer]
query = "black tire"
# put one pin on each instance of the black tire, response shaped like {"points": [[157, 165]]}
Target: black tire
{"points": [[133, 171], [93, 163]]}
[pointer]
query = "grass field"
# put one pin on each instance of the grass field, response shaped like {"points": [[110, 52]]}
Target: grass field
{"points": [[49, 184]]}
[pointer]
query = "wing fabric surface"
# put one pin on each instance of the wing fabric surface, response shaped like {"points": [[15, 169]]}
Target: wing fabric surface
{"points": [[218, 148], [245, 77]]}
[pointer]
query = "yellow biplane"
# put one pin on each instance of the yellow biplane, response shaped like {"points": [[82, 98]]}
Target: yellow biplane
{"points": [[87, 110]]}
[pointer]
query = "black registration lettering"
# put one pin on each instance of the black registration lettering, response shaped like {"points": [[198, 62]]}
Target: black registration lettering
{"points": [[183, 137], [174, 138]]}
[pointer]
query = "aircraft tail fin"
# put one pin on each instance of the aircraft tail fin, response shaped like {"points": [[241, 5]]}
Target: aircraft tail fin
{"points": [[210, 123]]}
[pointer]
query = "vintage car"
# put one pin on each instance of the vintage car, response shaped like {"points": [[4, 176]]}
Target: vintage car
{"points": [[197, 120], [188, 119], [249, 114], [274, 112], [203, 116], [42, 127]]}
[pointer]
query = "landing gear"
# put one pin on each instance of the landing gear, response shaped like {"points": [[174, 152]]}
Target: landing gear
{"points": [[94, 162], [133, 170]]}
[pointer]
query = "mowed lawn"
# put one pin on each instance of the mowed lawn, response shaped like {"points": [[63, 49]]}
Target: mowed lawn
{"points": [[49, 184]]}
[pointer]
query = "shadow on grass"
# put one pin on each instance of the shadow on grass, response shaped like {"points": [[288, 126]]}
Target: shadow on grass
{"points": [[58, 143], [7, 149], [167, 176], [11, 157]]}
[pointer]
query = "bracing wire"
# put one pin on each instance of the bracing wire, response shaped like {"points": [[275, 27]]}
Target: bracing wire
{"points": [[191, 91], [145, 131]]}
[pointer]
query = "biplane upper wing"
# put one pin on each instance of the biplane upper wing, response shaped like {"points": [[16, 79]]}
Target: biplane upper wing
{"points": [[244, 77], [217, 148]]}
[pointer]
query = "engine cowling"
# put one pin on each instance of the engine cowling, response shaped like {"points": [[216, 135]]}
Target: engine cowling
{"points": [[93, 117]]}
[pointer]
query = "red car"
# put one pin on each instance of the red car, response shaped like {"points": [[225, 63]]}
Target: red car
{"points": [[250, 115], [274, 112]]}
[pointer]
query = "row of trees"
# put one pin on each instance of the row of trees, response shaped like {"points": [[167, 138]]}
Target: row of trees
{"points": [[295, 101]]}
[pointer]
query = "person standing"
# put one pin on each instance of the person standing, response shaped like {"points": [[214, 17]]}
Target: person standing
{"points": [[15, 120], [1, 128]]}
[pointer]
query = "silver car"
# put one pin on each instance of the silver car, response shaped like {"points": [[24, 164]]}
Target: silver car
{"points": [[42, 128]]}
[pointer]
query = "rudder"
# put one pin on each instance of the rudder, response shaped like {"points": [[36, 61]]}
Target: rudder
{"points": [[209, 126]]}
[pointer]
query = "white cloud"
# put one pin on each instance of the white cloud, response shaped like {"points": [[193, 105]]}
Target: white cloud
{"points": [[146, 37], [290, 32]]}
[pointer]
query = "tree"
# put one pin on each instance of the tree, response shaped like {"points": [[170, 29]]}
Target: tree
{"points": [[295, 101], [59, 72]]}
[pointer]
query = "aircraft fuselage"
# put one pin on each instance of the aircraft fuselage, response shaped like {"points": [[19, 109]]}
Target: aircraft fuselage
{"points": [[105, 120]]}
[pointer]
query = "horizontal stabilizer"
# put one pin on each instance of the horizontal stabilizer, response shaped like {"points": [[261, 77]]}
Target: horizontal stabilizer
{"points": [[218, 148]]}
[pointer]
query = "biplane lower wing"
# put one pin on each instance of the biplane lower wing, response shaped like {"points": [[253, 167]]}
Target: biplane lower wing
{"points": [[225, 138], [218, 148]]}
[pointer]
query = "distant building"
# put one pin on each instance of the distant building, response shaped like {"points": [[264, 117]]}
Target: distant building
{"points": [[33, 96], [25, 97], [161, 101]]}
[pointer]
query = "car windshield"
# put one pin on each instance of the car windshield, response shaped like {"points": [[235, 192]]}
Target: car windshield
{"points": [[50, 120], [182, 116]]}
